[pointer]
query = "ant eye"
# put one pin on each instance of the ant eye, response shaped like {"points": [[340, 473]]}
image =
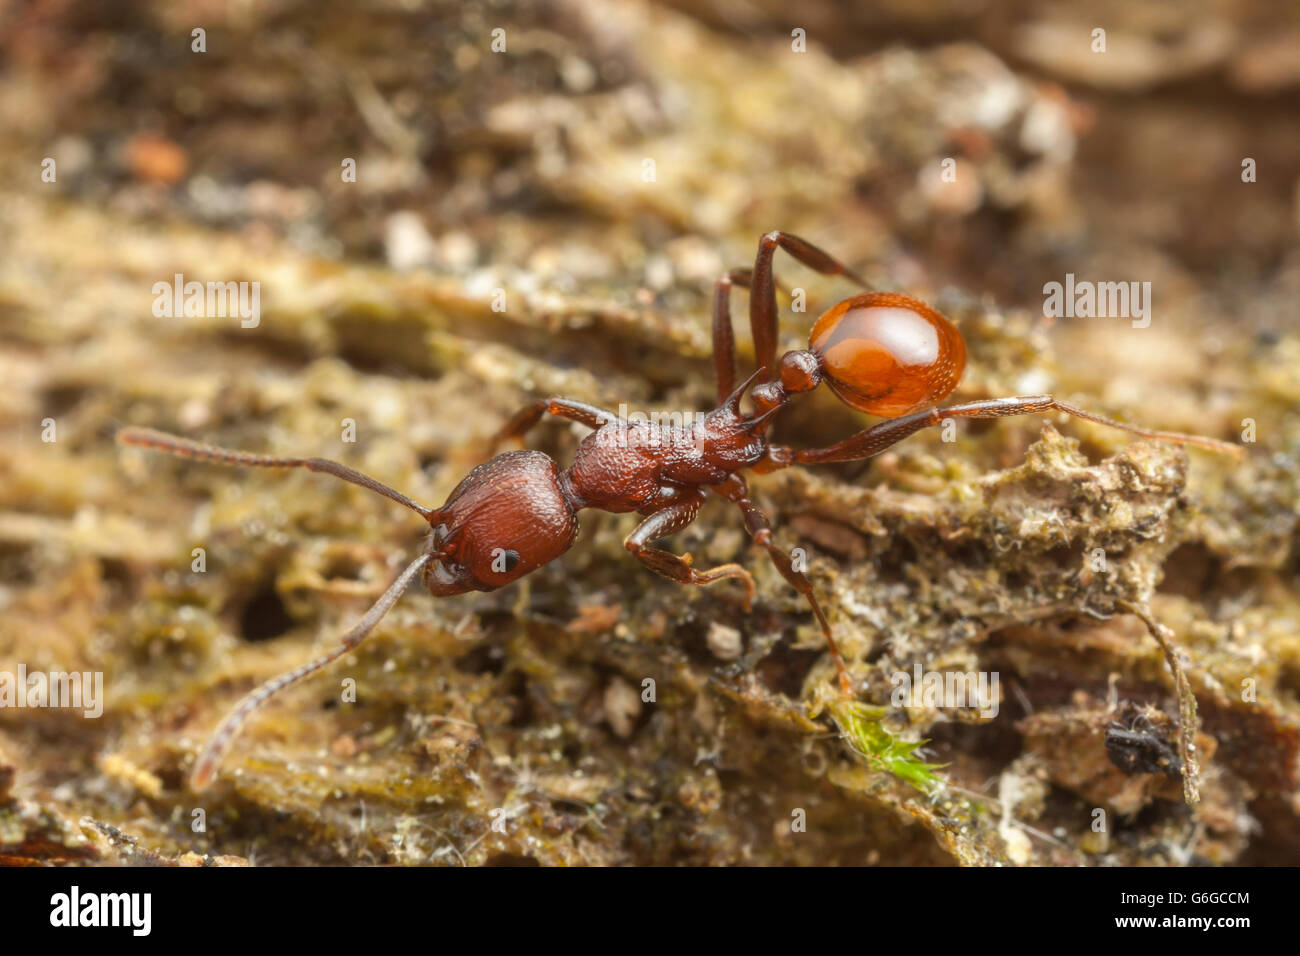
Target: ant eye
{"points": [[888, 354], [504, 560]]}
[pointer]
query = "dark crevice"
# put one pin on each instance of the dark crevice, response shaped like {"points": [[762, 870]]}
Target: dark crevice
{"points": [[484, 659], [264, 617], [785, 669]]}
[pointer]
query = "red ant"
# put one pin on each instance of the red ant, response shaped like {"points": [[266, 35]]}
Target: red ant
{"points": [[881, 352]]}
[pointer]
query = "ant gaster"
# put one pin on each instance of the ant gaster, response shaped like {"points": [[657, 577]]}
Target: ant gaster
{"points": [[880, 352]]}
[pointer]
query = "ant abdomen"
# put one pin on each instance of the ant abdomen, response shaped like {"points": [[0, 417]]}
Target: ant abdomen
{"points": [[888, 354]]}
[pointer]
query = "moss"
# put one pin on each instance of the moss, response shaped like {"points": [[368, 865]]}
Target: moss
{"points": [[882, 751]]}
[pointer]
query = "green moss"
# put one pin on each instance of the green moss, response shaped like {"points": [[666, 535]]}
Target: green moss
{"points": [[860, 724]]}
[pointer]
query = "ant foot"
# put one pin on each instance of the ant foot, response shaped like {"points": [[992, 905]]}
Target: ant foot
{"points": [[705, 578]]}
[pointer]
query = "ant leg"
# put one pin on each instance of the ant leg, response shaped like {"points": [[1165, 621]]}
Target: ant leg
{"points": [[762, 296], [735, 490], [670, 520], [876, 439], [530, 415], [724, 339], [185, 448], [205, 767]]}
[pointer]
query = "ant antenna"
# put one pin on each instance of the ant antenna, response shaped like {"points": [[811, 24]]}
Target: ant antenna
{"points": [[206, 767], [220, 742], [174, 445]]}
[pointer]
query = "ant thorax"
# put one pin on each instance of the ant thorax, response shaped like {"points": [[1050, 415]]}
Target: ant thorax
{"points": [[621, 466]]}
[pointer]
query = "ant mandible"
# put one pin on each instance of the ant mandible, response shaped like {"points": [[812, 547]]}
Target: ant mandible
{"points": [[881, 352]]}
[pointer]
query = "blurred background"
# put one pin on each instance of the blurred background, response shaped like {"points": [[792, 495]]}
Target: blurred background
{"points": [[600, 163]]}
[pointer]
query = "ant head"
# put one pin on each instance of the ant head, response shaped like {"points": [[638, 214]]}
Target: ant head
{"points": [[887, 354], [507, 518]]}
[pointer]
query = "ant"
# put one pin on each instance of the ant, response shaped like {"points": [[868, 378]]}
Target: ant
{"points": [[883, 353]]}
